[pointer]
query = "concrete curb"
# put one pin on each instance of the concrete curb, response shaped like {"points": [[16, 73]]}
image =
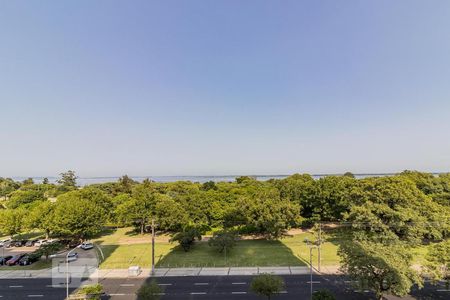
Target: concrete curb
{"points": [[170, 272]]}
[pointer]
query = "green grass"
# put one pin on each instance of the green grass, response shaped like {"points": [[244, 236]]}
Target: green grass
{"points": [[123, 248], [290, 251]]}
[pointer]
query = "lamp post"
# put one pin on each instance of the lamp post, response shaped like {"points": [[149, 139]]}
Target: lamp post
{"points": [[67, 271], [311, 247]]}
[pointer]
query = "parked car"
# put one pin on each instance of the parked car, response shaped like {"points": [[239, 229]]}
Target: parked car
{"points": [[51, 241], [19, 243], [14, 260], [40, 242], [29, 259], [30, 243], [4, 259], [86, 246], [4, 242]]}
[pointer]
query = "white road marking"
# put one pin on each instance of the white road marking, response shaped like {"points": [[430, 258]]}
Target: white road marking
{"points": [[282, 292], [443, 290], [239, 283], [238, 293], [35, 296], [198, 293], [117, 294], [127, 284], [16, 286], [164, 284], [201, 283], [313, 282]]}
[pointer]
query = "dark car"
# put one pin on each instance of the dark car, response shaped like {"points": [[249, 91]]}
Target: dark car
{"points": [[4, 259], [14, 260], [30, 243], [28, 259], [18, 243]]}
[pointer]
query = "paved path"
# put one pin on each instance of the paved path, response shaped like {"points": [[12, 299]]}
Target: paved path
{"points": [[164, 272]]}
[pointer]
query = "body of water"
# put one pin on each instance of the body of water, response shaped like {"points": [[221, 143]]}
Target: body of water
{"points": [[227, 178]]}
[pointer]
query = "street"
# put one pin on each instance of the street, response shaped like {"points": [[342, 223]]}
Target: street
{"points": [[206, 287]]}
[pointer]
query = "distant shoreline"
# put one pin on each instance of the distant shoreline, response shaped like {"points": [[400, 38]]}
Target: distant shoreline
{"points": [[200, 178]]}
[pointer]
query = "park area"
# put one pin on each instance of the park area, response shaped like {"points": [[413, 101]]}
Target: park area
{"points": [[122, 248]]}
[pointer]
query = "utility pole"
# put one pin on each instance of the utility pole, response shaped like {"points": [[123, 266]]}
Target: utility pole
{"points": [[310, 270], [153, 246], [319, 245], [311, 247]]}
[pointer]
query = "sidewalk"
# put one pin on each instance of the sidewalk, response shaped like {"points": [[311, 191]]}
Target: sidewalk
{"points": [[165, 272]]}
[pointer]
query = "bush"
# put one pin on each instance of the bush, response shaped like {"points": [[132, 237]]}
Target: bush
{"points": [[323, 295], [187, 237], [94, 291], [267, 285], [150, 291], [222, 240]]}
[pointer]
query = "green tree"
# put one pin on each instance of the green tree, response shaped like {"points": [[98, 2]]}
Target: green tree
{"points": [[222, 241], [11, 221], [77, 217], [437, 263], [150, 291], [169, 214], [23, 197], [263, 212], [28, 181], [383, 268], [126, 184], [139, 209], [267, 285], [7, 186], [49, 249], [186, 238], [209, 185], [45, 181], [67, 182], [391, 206], [40, 217]]}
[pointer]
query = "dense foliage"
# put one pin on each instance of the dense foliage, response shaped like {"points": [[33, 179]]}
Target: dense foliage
{"points": [[387, 215], [409, 207]]}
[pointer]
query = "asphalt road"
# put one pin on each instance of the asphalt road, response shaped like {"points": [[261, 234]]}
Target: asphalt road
{"points": [[207, 287], [33, 288], [237, 287]]}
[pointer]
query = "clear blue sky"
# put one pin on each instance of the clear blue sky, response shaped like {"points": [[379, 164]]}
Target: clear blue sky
{"points": [[223, 87]]}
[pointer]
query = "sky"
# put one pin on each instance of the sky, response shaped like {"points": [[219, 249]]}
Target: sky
{"points": [[166, 87]]}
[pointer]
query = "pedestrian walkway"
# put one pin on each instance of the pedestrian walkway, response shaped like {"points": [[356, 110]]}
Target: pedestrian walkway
{"points": [[165, 272]]}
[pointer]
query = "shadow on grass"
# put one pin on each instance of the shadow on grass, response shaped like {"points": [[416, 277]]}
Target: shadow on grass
{"points": [[246, 253], [107, 250]]}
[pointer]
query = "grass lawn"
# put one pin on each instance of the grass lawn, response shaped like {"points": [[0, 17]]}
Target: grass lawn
{"points": [[290, 251], [122, 248]]}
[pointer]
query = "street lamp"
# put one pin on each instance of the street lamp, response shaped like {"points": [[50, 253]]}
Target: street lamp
{"points": [[311, 247], [67, 271]]}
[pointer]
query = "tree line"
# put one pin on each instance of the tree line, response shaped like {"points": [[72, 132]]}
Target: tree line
{"points": [[387, 215]]}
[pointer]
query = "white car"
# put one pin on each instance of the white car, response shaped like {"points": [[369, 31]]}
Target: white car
{"points": [[4, 242], [40, 243], [86, 246], [72, 257]]}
